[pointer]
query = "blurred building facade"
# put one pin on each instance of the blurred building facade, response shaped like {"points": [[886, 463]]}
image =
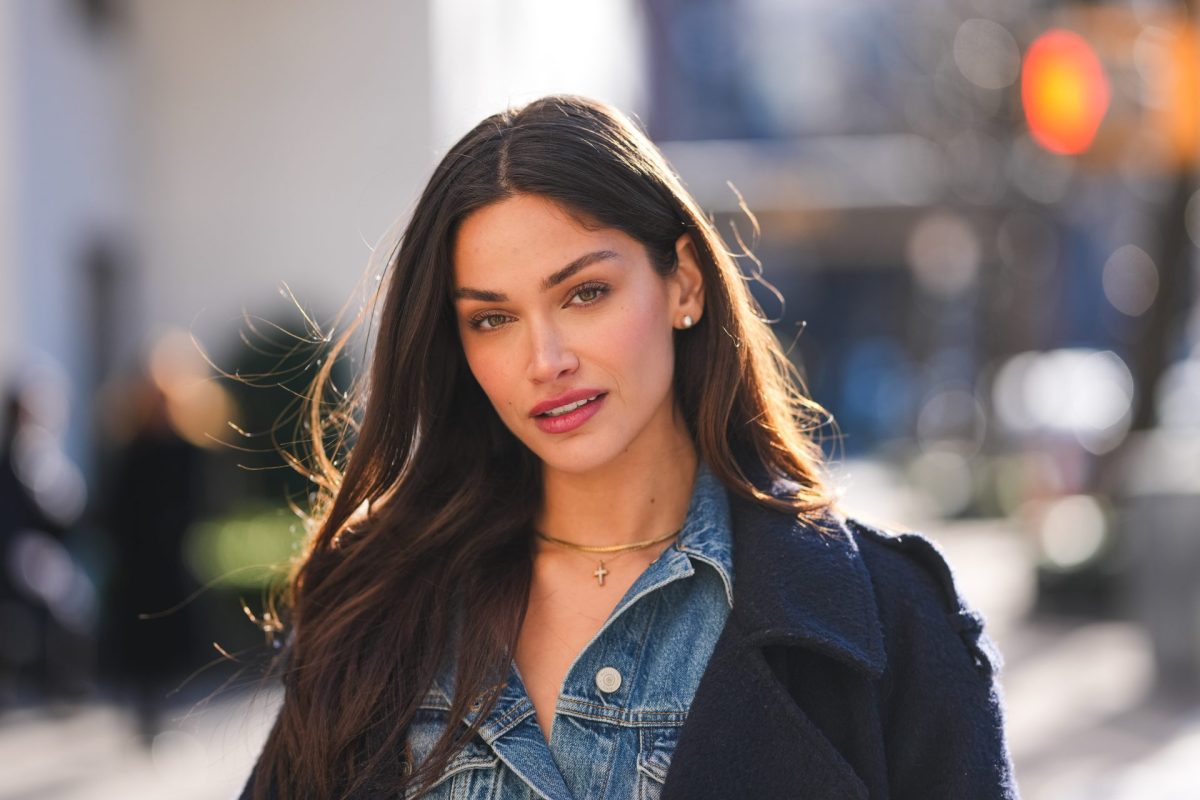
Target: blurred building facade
{"points": [[166, 164]]}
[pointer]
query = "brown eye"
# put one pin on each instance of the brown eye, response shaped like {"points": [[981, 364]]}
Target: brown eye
{"points": [[488, 322], [590, 293]]}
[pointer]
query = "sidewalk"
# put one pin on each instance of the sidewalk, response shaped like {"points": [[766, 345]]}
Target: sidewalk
{"points": [[93, 752]]}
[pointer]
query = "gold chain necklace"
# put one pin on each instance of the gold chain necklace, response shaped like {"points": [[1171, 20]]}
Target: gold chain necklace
{"points": [[600, 571]]}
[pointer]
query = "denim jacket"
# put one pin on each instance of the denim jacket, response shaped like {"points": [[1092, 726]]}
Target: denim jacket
{"points": [[624, 698]]}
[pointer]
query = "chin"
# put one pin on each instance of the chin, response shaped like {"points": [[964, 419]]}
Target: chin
{"points": [[573, 460], [580, 455]]}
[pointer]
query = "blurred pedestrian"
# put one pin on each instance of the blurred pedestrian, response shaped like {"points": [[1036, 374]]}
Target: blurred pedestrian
{"points": [[46, 600], [152, 500]]}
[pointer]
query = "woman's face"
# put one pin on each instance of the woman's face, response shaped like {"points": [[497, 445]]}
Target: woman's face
{"points": [[552, 313]]}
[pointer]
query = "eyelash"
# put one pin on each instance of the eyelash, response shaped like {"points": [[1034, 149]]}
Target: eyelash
{"points": [[601, 289]]}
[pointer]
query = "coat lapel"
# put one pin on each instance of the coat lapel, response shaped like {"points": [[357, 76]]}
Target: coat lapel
{"points": [[794, 586]]}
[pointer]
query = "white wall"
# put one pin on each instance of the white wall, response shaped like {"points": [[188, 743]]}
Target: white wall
{"points": [[9, 274], [63, 174], [275, 139], [488, 54]]}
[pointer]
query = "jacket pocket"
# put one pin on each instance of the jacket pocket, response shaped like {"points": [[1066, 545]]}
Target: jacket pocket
{"points": [[471, 773], [656, 746]]}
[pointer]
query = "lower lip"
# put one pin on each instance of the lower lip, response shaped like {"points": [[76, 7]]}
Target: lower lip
{"points": [[572, 419]]}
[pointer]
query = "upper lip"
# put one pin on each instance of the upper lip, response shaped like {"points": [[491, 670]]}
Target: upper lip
{"points": [[563, 399]]}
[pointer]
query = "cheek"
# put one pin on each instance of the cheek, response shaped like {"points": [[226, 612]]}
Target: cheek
{"points": [[643, 345], [491, 373]]}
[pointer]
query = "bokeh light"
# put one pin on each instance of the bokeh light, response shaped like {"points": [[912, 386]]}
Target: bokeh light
{"points": [[1130, 280], [952, 414], [945, 478], [1072, 531], [197, 406], [1064, 90], [1082, 393], [944, 254], [1179, 396], [1191, 217], [987, 54]]}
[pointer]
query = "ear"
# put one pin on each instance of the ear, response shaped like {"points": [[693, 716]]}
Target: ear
{"points": [[686, 283]]}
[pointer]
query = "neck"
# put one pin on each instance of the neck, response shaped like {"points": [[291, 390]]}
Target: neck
{"points": [[642, 494]]}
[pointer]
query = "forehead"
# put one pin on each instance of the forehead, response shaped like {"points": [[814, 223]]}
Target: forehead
{"points": [[526, 237]]}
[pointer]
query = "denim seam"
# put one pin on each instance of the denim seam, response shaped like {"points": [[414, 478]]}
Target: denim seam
{"points": [[628, 721], [519, 773], [643, 761], [494, 729], [608, 771], [628, 713], [639, 657], [455, 767]]}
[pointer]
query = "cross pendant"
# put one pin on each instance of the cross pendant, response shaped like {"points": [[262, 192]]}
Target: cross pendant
{"points": [[600, 573]]}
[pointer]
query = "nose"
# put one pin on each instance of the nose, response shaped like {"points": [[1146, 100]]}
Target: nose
{"points": [[550, 355]]}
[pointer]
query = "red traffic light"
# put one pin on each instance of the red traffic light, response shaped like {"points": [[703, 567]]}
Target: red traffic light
{"points": [[1064, 91]]}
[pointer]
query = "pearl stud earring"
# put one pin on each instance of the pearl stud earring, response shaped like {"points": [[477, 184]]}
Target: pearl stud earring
{"points": [[688, 321]]}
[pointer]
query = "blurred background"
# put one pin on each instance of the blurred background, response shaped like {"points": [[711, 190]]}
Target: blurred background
{"points": [[983, 217]]}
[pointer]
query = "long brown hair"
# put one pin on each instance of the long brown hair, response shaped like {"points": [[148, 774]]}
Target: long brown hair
{"points": [[427, 528]]}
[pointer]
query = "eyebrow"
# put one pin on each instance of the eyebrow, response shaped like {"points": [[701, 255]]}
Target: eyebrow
{"points": [[549, 282]]}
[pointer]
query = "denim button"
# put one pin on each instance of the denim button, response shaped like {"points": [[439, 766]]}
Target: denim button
{"points": [[608, 679]]}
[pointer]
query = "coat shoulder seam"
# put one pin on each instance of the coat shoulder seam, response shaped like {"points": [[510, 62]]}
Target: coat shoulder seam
{"points": [[968, 623]]}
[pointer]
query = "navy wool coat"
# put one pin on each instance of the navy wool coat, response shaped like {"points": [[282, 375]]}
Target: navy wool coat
{"points": [[849, 668]]}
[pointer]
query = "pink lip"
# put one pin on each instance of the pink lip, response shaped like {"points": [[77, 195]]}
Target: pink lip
{"points": [[572, 419], [563, 399]]}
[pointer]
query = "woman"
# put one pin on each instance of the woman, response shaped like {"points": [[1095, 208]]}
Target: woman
{"points": [[582, 547]]}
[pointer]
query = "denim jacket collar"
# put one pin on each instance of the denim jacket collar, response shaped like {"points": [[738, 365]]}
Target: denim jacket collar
{"points": [[705, 536], [706, 533], [800, 585]]}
